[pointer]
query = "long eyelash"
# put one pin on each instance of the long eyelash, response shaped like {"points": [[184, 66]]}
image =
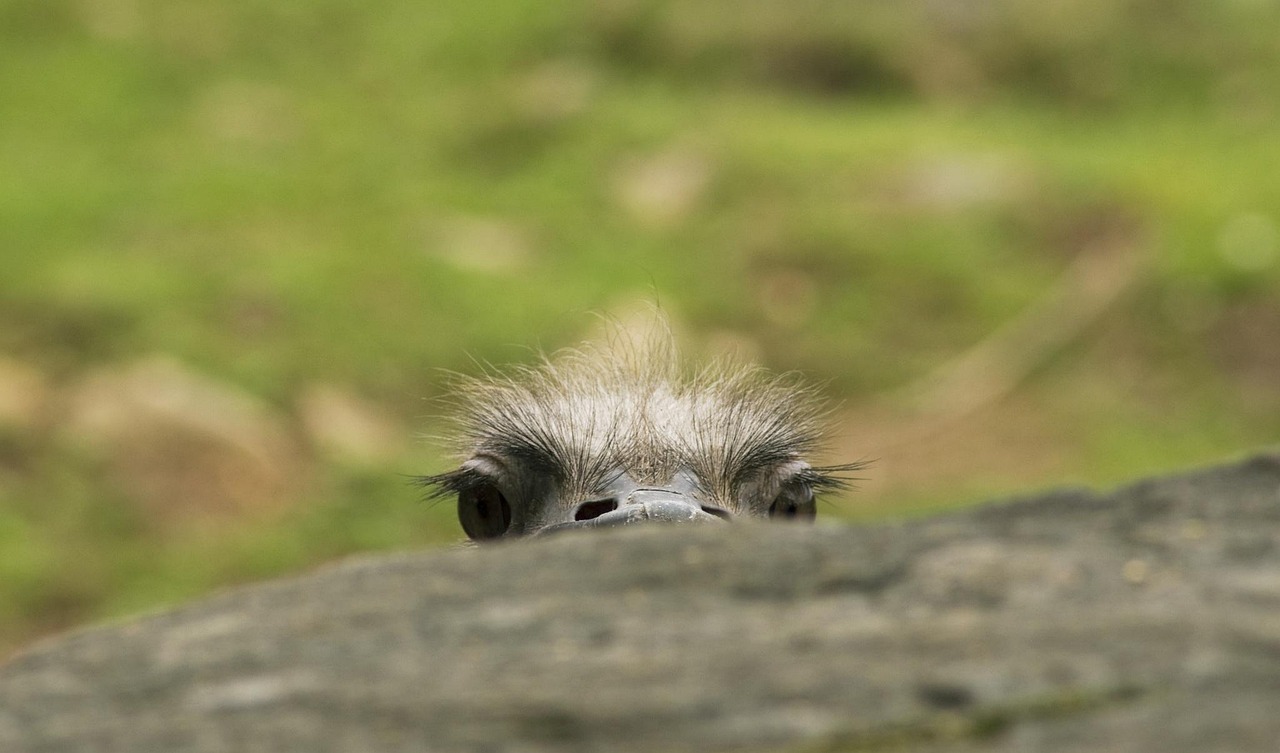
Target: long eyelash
{"points": [[443, 485], [831, 478]]}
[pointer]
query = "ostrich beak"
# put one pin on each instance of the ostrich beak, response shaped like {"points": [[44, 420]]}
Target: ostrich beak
{"points": [[640, 506]]}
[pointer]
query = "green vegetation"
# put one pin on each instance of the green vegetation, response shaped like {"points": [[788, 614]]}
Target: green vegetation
{"points": [[278, 195]]}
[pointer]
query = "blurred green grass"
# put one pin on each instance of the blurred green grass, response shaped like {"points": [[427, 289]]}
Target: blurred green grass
{"points": [[278, 194]]}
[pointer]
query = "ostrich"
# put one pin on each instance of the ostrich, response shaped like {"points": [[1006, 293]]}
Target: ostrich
{"points": [[621, 433]]}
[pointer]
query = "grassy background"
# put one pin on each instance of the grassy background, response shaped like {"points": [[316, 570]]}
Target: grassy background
{"points": [[284, 197]]}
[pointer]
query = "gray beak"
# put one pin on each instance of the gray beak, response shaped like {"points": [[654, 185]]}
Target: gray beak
{"points": [[641, 506]]}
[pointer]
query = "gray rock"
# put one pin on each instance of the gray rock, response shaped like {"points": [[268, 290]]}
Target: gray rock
{"points": [[1147, 619]]}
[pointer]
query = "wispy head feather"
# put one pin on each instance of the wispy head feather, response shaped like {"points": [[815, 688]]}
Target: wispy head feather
{"points": [[631, 405]]}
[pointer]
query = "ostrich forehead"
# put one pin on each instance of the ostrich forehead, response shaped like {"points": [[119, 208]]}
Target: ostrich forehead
{"points": [[588, 413]]}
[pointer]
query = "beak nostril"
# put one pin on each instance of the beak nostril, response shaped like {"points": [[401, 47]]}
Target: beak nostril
{"points": [[594, 509], [717, 512]]}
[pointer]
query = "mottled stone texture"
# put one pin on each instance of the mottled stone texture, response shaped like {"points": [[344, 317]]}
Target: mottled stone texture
{"points": [[1147, 619]]}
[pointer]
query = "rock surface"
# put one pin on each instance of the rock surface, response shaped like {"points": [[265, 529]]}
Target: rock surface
{"points": [[1147, 619]]}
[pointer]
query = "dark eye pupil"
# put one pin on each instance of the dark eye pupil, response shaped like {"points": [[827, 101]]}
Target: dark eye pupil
{"points": [[484, 512], [792, 503]]}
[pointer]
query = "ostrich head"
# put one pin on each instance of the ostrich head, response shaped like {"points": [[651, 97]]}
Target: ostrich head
{"points": [[621, 433]]}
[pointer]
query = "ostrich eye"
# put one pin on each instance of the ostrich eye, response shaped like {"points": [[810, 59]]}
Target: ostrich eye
{"points": [[794, 502], [484, 512]]}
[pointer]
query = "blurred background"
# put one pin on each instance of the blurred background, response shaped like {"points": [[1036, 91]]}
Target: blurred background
{"points": [[1022, 244]]}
